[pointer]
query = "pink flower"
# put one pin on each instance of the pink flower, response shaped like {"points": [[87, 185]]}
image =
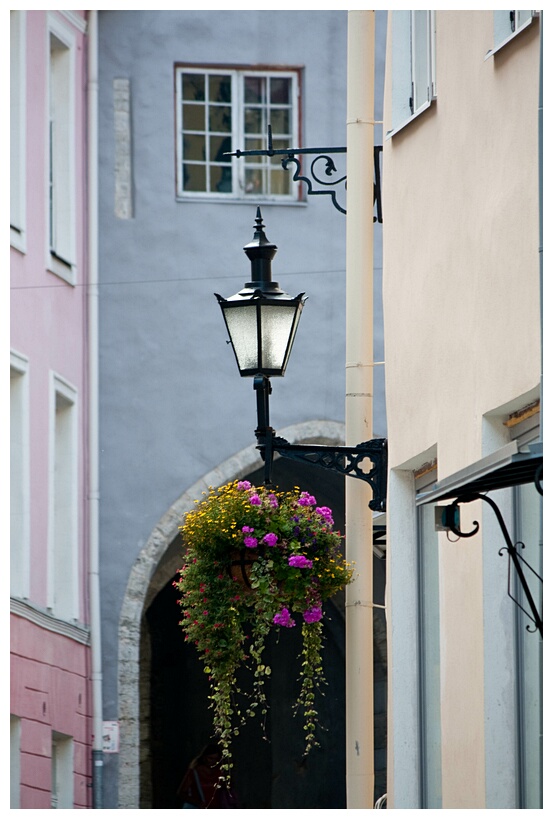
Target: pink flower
{"points": [[243, 485], [270, 539], [250, 542], [247, 529], [282, 618], [305, 499], [313, 615], [326, 513], [300, 562], [255, 500]]}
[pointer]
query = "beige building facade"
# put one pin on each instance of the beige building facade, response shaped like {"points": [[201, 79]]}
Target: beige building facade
{"points": [[463, 341]]}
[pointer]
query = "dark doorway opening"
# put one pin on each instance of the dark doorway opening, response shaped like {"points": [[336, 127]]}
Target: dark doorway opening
{"points": [[270, 771]]}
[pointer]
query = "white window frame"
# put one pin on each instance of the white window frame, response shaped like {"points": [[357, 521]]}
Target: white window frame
{"points": [[20, 512], [239, 166], [62, 771], [60, 162], [407, 75], [15, 762], [18, 119], [429, 699], [63, 543], [507, 28]]}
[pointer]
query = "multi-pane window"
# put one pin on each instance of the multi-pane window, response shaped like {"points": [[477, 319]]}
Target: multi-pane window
{"points": [[507, 24], [220, 111], [413, 65]]}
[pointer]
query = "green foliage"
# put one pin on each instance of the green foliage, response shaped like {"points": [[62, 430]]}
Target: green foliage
{"points": [[291, 556]]}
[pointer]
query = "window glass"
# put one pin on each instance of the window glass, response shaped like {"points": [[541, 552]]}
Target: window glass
{"points": [[429, 641], [528, 506], [222, 111]]}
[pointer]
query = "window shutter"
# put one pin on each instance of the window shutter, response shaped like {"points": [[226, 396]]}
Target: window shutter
{"points": [[402, 91]]}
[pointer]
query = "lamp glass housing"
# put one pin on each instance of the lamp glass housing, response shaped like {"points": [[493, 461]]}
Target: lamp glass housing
{"points": [[262, 331]]}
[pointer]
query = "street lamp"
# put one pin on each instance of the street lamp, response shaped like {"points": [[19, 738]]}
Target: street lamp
{"points": [[261, 321]]}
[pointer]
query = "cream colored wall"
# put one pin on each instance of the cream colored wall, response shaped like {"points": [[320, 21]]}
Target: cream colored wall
{"points": [[461, 314]]}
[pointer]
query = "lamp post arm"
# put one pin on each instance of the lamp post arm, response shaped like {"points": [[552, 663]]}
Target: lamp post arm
{"points": [[343, 460]]}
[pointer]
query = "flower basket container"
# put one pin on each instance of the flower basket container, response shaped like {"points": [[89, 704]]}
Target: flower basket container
{"points": [[257, 560]]}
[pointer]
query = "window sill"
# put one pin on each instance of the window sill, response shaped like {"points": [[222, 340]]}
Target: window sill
{"points": [[509, 39], [406, 122], [64, 270], [17, 240], [240, 200]]}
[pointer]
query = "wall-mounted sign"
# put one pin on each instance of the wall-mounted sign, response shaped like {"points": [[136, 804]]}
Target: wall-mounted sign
{"points": [[110, 737]]}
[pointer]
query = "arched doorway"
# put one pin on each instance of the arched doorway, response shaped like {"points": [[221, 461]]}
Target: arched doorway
{"points": [[152, 655], [270, 771]]}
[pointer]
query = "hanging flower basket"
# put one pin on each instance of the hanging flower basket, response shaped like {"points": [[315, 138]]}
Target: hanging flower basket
{"points": [[257, 560]]}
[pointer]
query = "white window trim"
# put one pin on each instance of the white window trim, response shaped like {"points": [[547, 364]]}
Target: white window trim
{"points": [[63, 267], [20, 365], [18, 123], [432, 78], [59, 386], [62, 771], [512, 36], [237, 163], [15, 762]]}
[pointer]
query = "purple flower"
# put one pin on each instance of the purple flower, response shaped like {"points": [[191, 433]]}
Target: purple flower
{"points": [[273, 501], [247, 530], [283, 619], [255, 500], [270, 539], [243, 485], [313, 615], [305, 499], [326, 513], [300, 562], [250, 542]]}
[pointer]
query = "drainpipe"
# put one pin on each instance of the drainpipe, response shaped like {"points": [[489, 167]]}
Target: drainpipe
{"points": [[93, 438], [540, 184], [359, 396]]}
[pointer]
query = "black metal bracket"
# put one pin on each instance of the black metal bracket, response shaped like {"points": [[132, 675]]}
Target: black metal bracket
{"points": [[516, 559], [344, 460], [323, 164]]}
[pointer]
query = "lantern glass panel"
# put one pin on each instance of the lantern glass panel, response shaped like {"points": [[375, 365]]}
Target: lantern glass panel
{"points": [[242, 327], [277, 322]]}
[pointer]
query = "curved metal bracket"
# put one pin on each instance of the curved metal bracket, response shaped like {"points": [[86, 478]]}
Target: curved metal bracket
{"points": [[344, 460], [516, 559], [289, 155]]}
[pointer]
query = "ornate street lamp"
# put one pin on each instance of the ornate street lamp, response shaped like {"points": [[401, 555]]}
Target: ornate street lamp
{"points": [[261, 318], [261, 321]]}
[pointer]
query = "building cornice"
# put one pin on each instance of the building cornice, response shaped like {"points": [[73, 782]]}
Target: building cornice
{"points": [[43, 619]]}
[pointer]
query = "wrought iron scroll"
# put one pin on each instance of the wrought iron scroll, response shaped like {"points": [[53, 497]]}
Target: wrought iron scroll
{"points": [[516, 560], [321, 166], [345, 461]]}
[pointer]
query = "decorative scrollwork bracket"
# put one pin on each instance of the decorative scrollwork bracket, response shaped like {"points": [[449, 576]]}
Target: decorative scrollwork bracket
{"points": [[516, 559], [321, 166]]}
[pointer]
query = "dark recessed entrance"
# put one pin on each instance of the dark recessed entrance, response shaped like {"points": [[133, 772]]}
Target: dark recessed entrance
{"points": [[269, 769]]}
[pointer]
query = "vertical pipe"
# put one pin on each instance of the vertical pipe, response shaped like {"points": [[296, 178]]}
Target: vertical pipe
{"points": [[359, 396], [93, 423]]}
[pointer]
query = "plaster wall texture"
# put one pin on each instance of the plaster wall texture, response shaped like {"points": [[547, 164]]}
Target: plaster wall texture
{"points": [[48, 316], [49, 671], [462, 328], [173, 406]]}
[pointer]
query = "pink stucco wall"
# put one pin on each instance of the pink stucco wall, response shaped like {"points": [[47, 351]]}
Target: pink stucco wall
{"points": [[50, 688]]}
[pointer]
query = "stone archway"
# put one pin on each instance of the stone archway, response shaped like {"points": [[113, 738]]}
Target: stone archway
{"points": [[154, 561]]}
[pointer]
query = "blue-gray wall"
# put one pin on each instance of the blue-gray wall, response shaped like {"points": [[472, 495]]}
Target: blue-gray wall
{"points": [[172, 405]]}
